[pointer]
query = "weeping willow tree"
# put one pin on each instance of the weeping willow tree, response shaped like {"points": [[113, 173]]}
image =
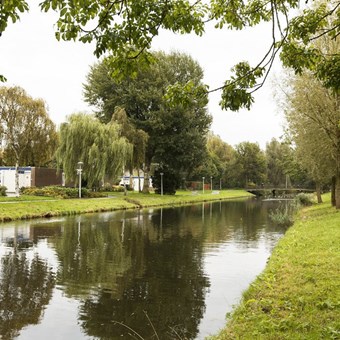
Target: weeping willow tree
{"points": [[99, 146]]}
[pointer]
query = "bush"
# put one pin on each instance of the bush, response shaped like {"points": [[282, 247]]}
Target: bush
{"points": [[117, 188], [304, 199], [171, 181], [3, 190], [107, 187], [61, 192]]}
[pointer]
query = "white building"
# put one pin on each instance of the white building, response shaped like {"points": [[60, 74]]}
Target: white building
{"points": [[126, 179], [29, 177]]}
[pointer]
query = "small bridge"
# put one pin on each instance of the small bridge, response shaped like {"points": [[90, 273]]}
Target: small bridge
{"points": [[273, 191]]}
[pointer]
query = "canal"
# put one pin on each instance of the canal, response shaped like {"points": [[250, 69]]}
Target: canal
{"points": [[174, 272]]}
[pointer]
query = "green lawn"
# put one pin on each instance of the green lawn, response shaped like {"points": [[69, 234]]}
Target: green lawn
{"points": [[24, 198], [26, 207], [298, 294]]}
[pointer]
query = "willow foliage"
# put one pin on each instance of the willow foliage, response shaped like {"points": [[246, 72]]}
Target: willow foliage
{"points": [[100, 147]]}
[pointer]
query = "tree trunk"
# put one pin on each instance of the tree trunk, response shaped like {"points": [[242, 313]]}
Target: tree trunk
{"points": [[318, 192], [337, 191], [337, 181], [139, 184], [333, 191], [124, 182], [131, 181], [17, 193], [146, 181]]}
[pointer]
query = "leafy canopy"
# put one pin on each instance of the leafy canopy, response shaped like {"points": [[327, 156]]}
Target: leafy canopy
{"points": [[28, 134], [124, 29], [176, 133]]}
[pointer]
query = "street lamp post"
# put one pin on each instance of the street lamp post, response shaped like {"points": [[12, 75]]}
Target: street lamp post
{"points": [[161, 183], [211, 187], [203, 184], [79, 171]]}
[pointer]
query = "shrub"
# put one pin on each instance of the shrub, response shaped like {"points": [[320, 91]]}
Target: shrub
{"points": [[117, 188], [304, 199], [107, 187], [61, 192], [171, 181], [3, 190]]}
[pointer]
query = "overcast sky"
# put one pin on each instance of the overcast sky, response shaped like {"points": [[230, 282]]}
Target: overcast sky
{"points": [[31, 57]]}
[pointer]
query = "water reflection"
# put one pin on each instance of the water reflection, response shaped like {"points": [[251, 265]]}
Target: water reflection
{"points": [[25, 288], [168, 267]]}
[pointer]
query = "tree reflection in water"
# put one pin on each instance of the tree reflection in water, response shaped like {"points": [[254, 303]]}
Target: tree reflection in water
{"points": [[125, 269], [25, 290]]}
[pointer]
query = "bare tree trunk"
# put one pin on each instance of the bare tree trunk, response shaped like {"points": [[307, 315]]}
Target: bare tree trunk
{"points": [[146, 181], [337, 191], [333, 191], [131, 181], [139, 184], [17, 193], [124, 182], [337, 181], [318, 192]]}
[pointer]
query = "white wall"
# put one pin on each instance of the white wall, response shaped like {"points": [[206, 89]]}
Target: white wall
{"points": [[7, 178]]}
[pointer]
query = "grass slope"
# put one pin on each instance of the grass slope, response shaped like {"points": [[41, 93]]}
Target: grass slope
{"points": [[298, 294], [26, 207]]}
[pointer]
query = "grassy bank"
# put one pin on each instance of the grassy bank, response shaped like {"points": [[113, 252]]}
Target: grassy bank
{"points": [[26, 207], [298, 294]]}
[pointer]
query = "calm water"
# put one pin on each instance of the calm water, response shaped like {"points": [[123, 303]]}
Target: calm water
{"points": [[106, 276]]}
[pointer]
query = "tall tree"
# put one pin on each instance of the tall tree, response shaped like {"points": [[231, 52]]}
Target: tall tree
{"points": [[126, 29], [222, 155], [99, 146], [279, 162], [177, 133], [250, 164], [26, 130], [312, 113]]}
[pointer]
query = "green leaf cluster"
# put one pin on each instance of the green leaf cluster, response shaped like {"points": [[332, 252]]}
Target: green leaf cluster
{"points": [[125, 29], [11, 10], [311, 43], [235, 93]]}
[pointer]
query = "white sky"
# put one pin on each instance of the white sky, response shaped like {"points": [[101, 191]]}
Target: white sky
{"points": [[32, 58]]}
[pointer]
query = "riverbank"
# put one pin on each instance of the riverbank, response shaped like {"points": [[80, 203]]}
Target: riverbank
{"points": [[28, 207], [298, 294]]}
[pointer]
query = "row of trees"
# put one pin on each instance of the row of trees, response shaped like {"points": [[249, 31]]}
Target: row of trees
{"points": [[247, 165], [124, 30], [182, 151], [312, 112], [135, 126]]}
